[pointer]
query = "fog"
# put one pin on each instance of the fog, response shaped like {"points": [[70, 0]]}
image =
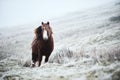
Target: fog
{"points": [[17, 12], [86, 43]]}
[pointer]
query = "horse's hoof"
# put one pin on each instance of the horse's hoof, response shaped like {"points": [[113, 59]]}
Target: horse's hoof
{"points": [[32, 65]]}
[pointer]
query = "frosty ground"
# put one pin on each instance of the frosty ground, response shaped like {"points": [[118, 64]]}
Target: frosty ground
{"points": [[87, 47]]}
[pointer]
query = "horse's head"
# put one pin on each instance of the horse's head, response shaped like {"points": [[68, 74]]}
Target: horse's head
{"points": [[44, 31]]}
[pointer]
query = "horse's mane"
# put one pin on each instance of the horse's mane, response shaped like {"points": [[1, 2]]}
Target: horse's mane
{"points": [[38, 35], [38, 32]]}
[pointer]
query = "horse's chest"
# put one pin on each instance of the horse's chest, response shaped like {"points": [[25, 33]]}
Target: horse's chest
{"points": [[45, 47]]}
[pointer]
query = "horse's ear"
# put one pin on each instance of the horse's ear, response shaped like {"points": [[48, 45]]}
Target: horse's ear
{"points": [[48, 23], [42, 23]]}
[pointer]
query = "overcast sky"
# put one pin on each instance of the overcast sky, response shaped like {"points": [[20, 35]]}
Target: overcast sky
{"points": [[16, 12]]}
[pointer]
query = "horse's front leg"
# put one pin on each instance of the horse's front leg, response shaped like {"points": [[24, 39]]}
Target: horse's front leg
{"points": [[39, 59]]}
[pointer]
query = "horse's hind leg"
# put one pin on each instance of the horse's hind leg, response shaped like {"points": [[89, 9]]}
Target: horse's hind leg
{"points": [[33, 60], [32, 64]]}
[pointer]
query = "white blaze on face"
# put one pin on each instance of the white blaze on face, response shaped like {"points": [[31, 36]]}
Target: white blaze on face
{"points": [[45, 36]]}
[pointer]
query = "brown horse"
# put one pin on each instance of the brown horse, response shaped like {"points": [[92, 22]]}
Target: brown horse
{"points": [[43, 44]]}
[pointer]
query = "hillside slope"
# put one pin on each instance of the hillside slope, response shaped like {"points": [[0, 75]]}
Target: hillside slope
{"points": [[87, 47]]}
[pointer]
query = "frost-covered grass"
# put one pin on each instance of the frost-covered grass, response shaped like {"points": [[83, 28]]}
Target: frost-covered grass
{"points": [[101, 56], [87, 47]]}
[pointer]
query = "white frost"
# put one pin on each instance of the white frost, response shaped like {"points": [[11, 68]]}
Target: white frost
{"points": [[87, 47]]}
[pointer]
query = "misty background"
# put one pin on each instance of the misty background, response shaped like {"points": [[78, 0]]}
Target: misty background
{"points": [[86, 38], [18, 12]]}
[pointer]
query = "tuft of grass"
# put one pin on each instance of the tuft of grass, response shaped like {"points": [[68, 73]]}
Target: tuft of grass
{"points": [[12, 77], [101, 56], [62, 56], [116, 75], [115, 19]]}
